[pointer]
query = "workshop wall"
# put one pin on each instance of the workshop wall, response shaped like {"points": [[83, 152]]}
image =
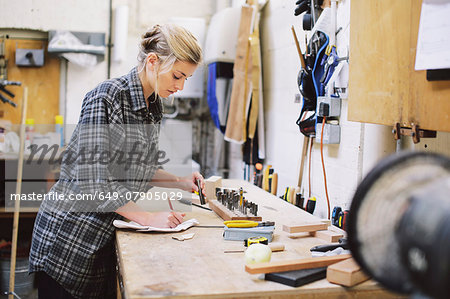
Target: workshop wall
{"points": [[362, 145], [281, 64], [93, 16]]}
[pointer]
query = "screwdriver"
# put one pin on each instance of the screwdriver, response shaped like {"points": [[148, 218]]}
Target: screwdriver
{"points": [[311, 205]]}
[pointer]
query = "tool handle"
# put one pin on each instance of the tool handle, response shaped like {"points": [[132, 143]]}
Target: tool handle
{"points": [[302, 59], [200, 193], [276, 247]]}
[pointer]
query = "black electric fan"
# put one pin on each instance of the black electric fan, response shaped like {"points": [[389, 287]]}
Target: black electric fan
{"points": [[399, 224]]}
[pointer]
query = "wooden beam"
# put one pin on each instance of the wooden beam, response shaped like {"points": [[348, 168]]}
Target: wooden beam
{"points": [[307, 227], [327, 235], [306, 263], [346, 273]]}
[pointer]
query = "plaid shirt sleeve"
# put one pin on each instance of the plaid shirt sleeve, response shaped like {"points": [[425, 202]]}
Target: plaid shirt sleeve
{"points": [[100, 136]]}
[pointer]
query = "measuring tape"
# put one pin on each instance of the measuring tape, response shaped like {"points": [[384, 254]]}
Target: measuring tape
{"points": [[255, 240]]}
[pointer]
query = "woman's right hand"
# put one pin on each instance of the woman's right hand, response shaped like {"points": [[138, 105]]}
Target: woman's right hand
{"points": [[164, 219]]}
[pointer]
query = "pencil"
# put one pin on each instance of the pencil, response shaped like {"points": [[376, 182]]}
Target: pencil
{"points": [[170, 204]]}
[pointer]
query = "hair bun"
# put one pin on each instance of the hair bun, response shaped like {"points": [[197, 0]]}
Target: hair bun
{"points": [[151, 32]]}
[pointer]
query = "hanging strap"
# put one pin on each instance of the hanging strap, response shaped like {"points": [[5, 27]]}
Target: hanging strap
{"points": [[211, 96]]}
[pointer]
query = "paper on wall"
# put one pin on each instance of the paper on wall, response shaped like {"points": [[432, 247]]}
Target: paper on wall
{"points": [[433, 41]]}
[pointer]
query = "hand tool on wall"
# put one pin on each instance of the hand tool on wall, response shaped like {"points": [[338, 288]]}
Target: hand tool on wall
{"points": [[299, 200], [309, 7], [285, 194], [310, 205], [3, 84], [299, 51], [265, 184], [274, 184], [257, 174]]}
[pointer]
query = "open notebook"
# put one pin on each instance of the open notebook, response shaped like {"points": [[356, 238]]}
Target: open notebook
{"points": [[141, 228]]}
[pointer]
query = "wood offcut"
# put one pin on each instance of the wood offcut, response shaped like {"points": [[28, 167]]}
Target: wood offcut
{"points": [[290, 265], [346, 273]]}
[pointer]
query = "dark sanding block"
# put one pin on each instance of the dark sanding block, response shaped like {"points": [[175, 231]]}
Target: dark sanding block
{"points": [[298, 278]]}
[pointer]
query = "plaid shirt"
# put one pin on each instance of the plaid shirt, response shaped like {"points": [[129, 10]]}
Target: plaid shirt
{"points": [[74, 243]]}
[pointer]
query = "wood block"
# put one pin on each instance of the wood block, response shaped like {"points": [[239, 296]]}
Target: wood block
{"points": [[306, 263], [346, 273], [307, 227], [327, 235], [210, 186], [327, 221], [226, 214]]}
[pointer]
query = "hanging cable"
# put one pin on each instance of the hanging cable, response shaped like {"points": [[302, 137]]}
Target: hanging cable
{"points": [[309, 167], [323, 165]]}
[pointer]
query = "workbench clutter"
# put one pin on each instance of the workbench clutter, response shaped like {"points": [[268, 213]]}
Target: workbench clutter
{"points": [[245, 230], [226, 259], [232, 205]]}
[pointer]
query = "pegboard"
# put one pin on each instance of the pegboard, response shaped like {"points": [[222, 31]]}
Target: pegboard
{"points": [[42, 82]]}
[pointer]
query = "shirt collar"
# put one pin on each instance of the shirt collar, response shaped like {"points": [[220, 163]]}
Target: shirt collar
{"points": [[136, 91]]}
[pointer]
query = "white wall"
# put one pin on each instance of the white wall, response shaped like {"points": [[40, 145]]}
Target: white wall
{"points": [[362, 145], [93, 16]]}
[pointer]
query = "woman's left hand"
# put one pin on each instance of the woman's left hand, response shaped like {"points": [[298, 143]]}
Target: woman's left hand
{"points": [[189, 183]]}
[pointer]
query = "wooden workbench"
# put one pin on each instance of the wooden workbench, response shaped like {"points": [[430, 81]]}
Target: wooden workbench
{"points": [[153, 265]]}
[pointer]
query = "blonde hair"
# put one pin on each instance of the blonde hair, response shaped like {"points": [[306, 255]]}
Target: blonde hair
{"points": [[170, 43]]}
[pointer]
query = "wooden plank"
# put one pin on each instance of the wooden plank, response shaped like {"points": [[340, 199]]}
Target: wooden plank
{"points": [[239, 95], [346, 273], [42, 83], [226, 214], [304, 228], [211, 184], [385, 88], [327, 235], [15, 232], [306, 263]]}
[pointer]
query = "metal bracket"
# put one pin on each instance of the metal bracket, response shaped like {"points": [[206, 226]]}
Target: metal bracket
{"points": [[415, 132]]}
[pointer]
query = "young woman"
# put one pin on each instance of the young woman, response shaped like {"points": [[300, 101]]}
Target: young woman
{"points": [[73, 241]]}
